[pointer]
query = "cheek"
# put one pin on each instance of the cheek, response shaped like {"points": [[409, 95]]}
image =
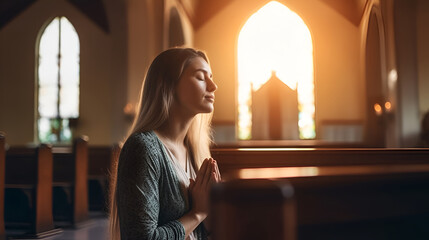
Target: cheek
{"points": [[191, 93], [186, 94], [195, 90]]}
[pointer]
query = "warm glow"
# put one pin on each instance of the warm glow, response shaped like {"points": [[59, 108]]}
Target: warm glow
{"points": [[275, 39], [388, 106], [285, 172], [292, 172], [275, 149], [392, 79], [377, 109]]}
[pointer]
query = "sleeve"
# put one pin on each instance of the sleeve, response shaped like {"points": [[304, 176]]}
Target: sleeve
{"points": [[138, 196]]}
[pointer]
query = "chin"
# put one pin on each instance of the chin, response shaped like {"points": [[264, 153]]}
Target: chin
{"points": [[207, 109]]}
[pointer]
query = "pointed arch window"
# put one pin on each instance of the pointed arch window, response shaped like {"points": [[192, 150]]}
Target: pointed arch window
{"points": [[57, 81], [276, 40]]}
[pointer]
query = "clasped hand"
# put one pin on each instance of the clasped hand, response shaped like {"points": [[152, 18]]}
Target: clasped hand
{"points": [[200, 187]]}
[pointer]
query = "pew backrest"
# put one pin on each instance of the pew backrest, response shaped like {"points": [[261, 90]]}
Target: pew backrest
{"points": [[252, 209], [368, 202], [101, 165], [2, 179], [31, 168], [101, 159], [71, 170], [237, 158]]}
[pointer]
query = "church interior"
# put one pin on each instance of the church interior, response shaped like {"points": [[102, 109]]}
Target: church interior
{"points": [[329, 97]]}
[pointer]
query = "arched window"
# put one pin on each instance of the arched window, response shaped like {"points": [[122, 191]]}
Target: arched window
{"points": [[58, 81], [276, 40]]}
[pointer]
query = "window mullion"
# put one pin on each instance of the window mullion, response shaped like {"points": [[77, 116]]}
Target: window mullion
{"points": [[59, 84]]}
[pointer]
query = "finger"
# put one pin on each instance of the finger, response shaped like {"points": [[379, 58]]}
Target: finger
{"points": [[217, 176], [209, 171], [213, 178], [200, 175], [218, 172]]}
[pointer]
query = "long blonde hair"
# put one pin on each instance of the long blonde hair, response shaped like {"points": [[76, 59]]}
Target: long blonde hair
{"points": [[156, 99]]}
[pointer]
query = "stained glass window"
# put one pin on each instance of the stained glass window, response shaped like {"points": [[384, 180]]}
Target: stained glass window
{"points": [[58, 81], [275, 39]]}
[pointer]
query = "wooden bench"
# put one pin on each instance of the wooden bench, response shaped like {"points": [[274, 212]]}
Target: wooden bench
{"points": [[309, 143], [70, 183], [101, 159], [253, 209], [2, 178], [341, 202], [28, 191], [231, 159]]}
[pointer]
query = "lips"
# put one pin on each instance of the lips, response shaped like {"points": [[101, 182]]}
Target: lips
{"points": [[210, 98]]}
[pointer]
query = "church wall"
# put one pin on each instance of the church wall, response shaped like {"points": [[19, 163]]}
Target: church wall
{"points": [[186, 28], [145, 27], [102, 71], [148, 29], [336, 41]]}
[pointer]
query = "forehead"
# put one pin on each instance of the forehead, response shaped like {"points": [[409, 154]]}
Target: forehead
{"points": [[198, 64]]}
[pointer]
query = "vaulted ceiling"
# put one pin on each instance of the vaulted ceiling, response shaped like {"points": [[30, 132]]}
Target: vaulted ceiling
{"points": [[200, 11], [204, 10], [93, 9]]}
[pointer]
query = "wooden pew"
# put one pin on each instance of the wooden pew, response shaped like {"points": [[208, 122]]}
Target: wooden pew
{"points": [[71, 183], [2, 178], [253, 209], [346, 202], [309, 143], [101, 159], [231, 159], [29, 181]]}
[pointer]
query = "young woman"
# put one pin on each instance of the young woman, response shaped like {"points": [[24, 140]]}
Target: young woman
{"points": [[165, 170]]}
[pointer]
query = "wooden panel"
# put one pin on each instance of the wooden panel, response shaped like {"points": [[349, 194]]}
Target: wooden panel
{"points": [[81, 180], [2, 177], [71, 176], [43, 202], [288, 144], [31, 168], [101, 160], [349, 202], [64, 165], [253, 209], [237, 158], [16, 158]]}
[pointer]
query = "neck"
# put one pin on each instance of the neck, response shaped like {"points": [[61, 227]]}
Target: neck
{"points": [[175, 128]]}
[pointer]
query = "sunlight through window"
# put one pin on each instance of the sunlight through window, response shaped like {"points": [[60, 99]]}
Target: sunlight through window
{"points": [[58, 81], [275, 39]]}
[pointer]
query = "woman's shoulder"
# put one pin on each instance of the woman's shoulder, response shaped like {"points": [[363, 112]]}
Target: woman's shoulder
{"points": [[141, 149], [142, 143], [141, 138]]}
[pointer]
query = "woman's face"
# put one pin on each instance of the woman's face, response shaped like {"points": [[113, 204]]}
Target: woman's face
{"points": [[195, 90]]}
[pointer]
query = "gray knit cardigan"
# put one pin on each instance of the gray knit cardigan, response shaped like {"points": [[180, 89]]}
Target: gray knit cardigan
{"points": [[150, 201]]}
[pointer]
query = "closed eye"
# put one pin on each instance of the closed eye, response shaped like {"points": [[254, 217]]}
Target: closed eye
{"points": [[200, 77]]}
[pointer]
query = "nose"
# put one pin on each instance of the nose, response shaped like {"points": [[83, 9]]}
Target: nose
{"points": [[211, 85]]}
